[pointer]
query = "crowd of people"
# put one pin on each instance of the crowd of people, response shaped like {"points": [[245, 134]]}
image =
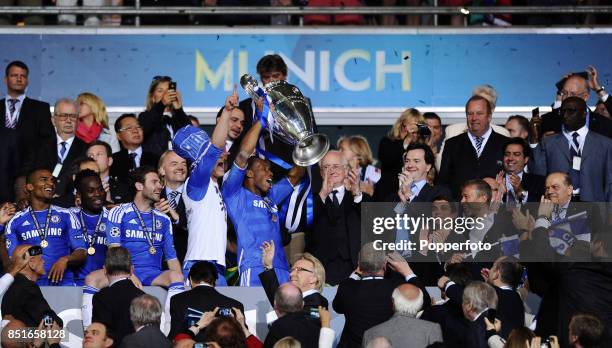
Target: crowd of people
{"points": [[460, 19], [153, 200]]}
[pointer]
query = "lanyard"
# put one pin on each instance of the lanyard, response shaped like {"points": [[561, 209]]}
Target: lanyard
{"points": [[90, 242], [144, 227], [41, 233]]}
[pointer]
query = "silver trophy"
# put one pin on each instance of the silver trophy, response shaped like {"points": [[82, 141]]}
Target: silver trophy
{"points": [[293, 119]]}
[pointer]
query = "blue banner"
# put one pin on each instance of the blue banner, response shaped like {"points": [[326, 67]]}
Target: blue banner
{"points": [[335, 70]]}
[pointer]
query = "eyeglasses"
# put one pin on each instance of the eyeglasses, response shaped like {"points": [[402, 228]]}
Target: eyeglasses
{"points": [[130, 129], [334, 167], [566, 94], [64, 117], [299, 269]]}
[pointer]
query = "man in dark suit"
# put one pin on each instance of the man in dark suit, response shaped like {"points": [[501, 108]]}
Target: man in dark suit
{"points": [[111, 306], [131, 155], [585, 155], [474, 154], [448, 313], [23, 300], [307, 273], [336, 234], [292, 320], [145, 314], [58, 154], [577, 86], [521, 187], [505, 276], [203, 297], [29, 118], [173, 171], [365, 300]]}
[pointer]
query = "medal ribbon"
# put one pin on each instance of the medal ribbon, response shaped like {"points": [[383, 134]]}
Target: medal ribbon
{"points": [[144, 227], [41, 233], [84, 228]]}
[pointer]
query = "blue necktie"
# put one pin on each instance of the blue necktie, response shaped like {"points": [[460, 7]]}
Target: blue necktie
{"points": [[172, 199], [62, 152], [133, 160]]}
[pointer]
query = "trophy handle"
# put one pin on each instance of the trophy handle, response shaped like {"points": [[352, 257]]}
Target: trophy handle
{"points": [[310, 150], [249, 84]]}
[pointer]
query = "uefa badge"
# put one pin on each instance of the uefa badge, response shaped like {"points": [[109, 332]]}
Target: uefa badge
{"points": [[114, 232], [102, 227], [55, 219], [158, 225]]}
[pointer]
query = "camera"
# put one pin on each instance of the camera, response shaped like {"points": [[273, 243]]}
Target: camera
{"points": [[225, 312], [172, 85], [545, 343], [423, 131], [201, 345], [48, 321], [312, 313]]}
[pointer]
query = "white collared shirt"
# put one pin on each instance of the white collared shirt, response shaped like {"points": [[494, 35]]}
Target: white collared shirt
{"points": [[418, 186], [178, 189], [309, 292], [59, 147], [18, 105], [228, 144], [138, 153], [340, 195], [485, 138], [582, 132]]}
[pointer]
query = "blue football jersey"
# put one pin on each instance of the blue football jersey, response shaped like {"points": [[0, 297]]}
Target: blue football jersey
{"points": [[124, 228], [94, 237], [63, 235], [255, 218]]}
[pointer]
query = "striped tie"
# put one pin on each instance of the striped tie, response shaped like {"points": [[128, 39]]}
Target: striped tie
{"points": [[478, 145], [62, 152], [172, 199], [11, 121]]}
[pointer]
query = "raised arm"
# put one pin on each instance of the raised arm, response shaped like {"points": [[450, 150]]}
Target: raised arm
{"points": [[247, 146], [221, 129]]}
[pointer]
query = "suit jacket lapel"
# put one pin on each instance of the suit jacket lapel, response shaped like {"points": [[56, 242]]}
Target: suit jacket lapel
{"points": [[588, 148], [23, 111], [3, 112], [560, 142], [468, 144]]}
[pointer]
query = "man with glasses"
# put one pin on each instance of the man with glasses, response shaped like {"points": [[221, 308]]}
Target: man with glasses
{"points": [[131, 156], [59, 153], [251, 202], [55, 229], [336, 234], [576, 85]]}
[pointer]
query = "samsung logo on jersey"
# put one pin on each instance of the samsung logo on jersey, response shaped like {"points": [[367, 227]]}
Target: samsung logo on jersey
{"points": [[99, 240], [259, 204], [139, 234], [33, 234]]}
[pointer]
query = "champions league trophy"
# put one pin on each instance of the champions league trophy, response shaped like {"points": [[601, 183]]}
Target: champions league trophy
{"points": [[291, 119]]}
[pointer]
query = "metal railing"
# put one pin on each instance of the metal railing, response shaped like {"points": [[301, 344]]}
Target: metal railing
{"points": [[299, 10]]}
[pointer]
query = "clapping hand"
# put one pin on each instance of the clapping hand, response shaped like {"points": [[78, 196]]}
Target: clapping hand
{"points": [[267, 249]]}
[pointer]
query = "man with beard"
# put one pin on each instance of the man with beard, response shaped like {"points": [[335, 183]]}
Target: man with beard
{"points": [[584, 154], [54, 229], [147, 234], [206, 214], [253, 208]]}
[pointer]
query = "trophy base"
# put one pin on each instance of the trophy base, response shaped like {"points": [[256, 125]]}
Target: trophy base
{"points": [[310, 150]]}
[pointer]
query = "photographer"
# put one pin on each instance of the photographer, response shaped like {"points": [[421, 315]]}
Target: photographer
{"points": [[163, 116], [24, 300]]}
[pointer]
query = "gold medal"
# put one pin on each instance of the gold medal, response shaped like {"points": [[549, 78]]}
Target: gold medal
{"points": [[152, 250], [91, 250], [44, 243]]}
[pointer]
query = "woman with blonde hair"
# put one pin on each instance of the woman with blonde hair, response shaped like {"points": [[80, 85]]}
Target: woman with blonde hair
{"points": [[357, 152], [405, 130], [93, 121]]}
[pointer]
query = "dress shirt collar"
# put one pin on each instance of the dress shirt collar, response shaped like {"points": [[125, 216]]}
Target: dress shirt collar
{"points": [[485, 138], [179, 189], [309, 292], [479, 314], [68, 141], [419, 186], [582, 133], [340, 194], [20, 97]]}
